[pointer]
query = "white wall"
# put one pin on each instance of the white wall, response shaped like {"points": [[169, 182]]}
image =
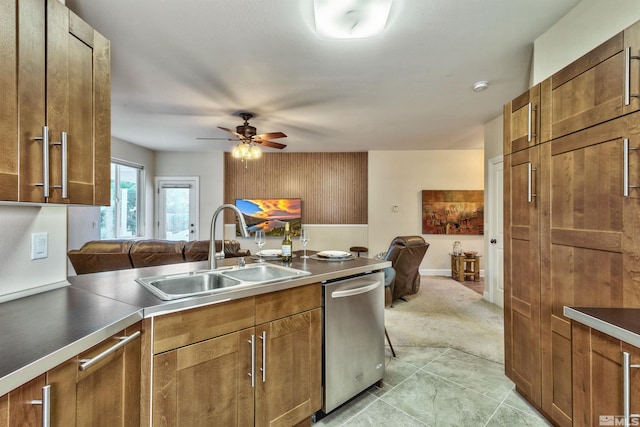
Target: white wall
{"points": [[397, 178], [19, 275], [210, 168], [587, 25]]}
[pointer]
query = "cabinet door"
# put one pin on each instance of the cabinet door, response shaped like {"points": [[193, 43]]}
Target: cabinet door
{"points": [[8, 104], [598, 370], [592, 247], [522, 121], [77, 104], [16, 408], [205, 384], [288, 387], [522, 271], [599, 86], [31, 98], [104, 394]]}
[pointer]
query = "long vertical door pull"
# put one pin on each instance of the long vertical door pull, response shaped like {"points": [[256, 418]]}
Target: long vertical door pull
{"points": [[626, 387], [627, 75], [45, 161], [252, 374], [46, 405], [530, 193], [263, 337], [63, 157]]}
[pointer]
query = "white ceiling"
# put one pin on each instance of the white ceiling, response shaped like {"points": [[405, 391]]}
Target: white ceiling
{"points": [[182, 68]]}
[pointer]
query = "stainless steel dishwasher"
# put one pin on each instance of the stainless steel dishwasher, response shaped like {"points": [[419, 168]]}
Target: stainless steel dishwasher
{"points": [[353, 338]]}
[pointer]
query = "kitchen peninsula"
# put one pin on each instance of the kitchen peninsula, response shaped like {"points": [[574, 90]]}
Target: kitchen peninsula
{"points": [[43, 338]]}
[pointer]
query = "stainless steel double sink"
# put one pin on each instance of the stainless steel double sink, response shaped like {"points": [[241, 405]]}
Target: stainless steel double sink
{"points": [[175, 286]]}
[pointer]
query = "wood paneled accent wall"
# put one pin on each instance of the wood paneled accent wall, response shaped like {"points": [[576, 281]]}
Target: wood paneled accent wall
{"points": [[332, 186]]}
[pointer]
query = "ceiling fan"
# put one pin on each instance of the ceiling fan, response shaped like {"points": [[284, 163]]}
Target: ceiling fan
{"points": [[247, 134]]}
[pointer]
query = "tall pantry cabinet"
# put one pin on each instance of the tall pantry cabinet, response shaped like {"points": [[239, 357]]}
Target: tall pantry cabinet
{"points": [[585, 250], [54, 106]]}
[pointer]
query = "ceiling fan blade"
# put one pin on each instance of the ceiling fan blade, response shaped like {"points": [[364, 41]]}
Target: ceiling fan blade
{"points": [[269, 143], [233, 132], [272, 135], [219, 139]]}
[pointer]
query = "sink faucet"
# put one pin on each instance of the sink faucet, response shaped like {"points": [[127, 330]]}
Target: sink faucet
{"points": [[213, 263]]}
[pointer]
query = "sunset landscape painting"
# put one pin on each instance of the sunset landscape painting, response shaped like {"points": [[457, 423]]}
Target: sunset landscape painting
{"points": [[270, 215]]}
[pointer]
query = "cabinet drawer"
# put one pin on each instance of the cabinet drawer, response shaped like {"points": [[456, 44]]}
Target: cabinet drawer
{"points": [[277, 305], [175, 330]]}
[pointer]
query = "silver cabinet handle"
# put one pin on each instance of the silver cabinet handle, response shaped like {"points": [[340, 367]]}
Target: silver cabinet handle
{"points": [[627, 75], [87, 363], [356, 291], [530, 193], [63, 156], [625, 168], [45, 161], [530, 134], [263, 337], [626, 387], [46, 405], [252, 374]]}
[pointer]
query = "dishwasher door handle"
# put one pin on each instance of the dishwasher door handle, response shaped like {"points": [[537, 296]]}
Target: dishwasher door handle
{"points": [[355, 291]]}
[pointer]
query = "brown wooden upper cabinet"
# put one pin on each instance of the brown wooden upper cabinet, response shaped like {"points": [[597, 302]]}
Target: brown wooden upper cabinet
{"points": [[600, 86], [56, 98], [522, 124]]}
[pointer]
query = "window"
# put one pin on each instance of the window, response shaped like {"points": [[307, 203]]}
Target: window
{"points": [[123, 217]]}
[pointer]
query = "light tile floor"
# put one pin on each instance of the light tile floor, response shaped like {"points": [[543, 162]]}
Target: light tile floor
{"points": [[437, 387]]}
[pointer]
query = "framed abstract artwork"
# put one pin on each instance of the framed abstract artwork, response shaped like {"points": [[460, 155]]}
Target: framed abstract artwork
{"points": [[458, 212]]}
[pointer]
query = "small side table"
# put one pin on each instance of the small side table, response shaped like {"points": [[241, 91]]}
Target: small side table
{"points": [[463, 267]]}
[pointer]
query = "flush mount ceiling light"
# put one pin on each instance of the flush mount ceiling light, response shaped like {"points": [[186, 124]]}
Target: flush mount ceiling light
{"points": [[480, 86], [354, 19]]}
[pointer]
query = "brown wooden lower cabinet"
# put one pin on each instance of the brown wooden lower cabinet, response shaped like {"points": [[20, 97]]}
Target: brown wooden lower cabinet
{"points": [[16, 408], [254, 361], [205, 384], [106, 393], [290, 390], [598, 398]]}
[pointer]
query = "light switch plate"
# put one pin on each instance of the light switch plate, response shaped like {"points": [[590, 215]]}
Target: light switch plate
{"points": [[39, 245]]}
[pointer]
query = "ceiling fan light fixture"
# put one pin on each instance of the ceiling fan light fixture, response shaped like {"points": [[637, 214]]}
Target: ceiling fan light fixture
{"points": [[255, 152], [339, 19], [246, 151]]}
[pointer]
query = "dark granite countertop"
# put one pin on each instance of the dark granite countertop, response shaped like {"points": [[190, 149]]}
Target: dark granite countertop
{"points": [[40, 331], [620, 323]]}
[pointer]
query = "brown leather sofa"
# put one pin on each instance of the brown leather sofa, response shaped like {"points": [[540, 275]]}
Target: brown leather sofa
{"points": [[107, 255], [406, 254]]}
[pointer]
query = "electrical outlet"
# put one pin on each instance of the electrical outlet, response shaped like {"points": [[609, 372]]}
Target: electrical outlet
{"points": [[39, 245]]}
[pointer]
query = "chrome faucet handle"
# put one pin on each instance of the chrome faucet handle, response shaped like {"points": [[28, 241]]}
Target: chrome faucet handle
{"points": [[241, 262]]}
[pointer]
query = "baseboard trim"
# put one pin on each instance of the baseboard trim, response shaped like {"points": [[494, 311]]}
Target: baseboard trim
{"points": [[440, 272]]}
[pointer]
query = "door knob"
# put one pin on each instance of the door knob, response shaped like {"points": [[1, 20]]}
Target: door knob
{"points": [[493, 241]]}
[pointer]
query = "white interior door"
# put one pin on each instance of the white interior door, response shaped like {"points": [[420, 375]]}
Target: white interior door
{"points": [[177, 208], [496, 232]]}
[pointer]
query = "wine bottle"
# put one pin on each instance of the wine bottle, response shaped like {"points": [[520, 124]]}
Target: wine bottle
{"points": [[287, 244]]}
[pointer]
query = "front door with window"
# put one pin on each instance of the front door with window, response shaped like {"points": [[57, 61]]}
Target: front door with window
{"points": [[177, 208]]}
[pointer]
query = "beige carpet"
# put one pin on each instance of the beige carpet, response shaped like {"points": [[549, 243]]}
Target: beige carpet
{"points": [[445, 313]]}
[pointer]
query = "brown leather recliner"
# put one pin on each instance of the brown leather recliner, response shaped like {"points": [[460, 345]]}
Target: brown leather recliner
{"points": [[406, 254]]}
